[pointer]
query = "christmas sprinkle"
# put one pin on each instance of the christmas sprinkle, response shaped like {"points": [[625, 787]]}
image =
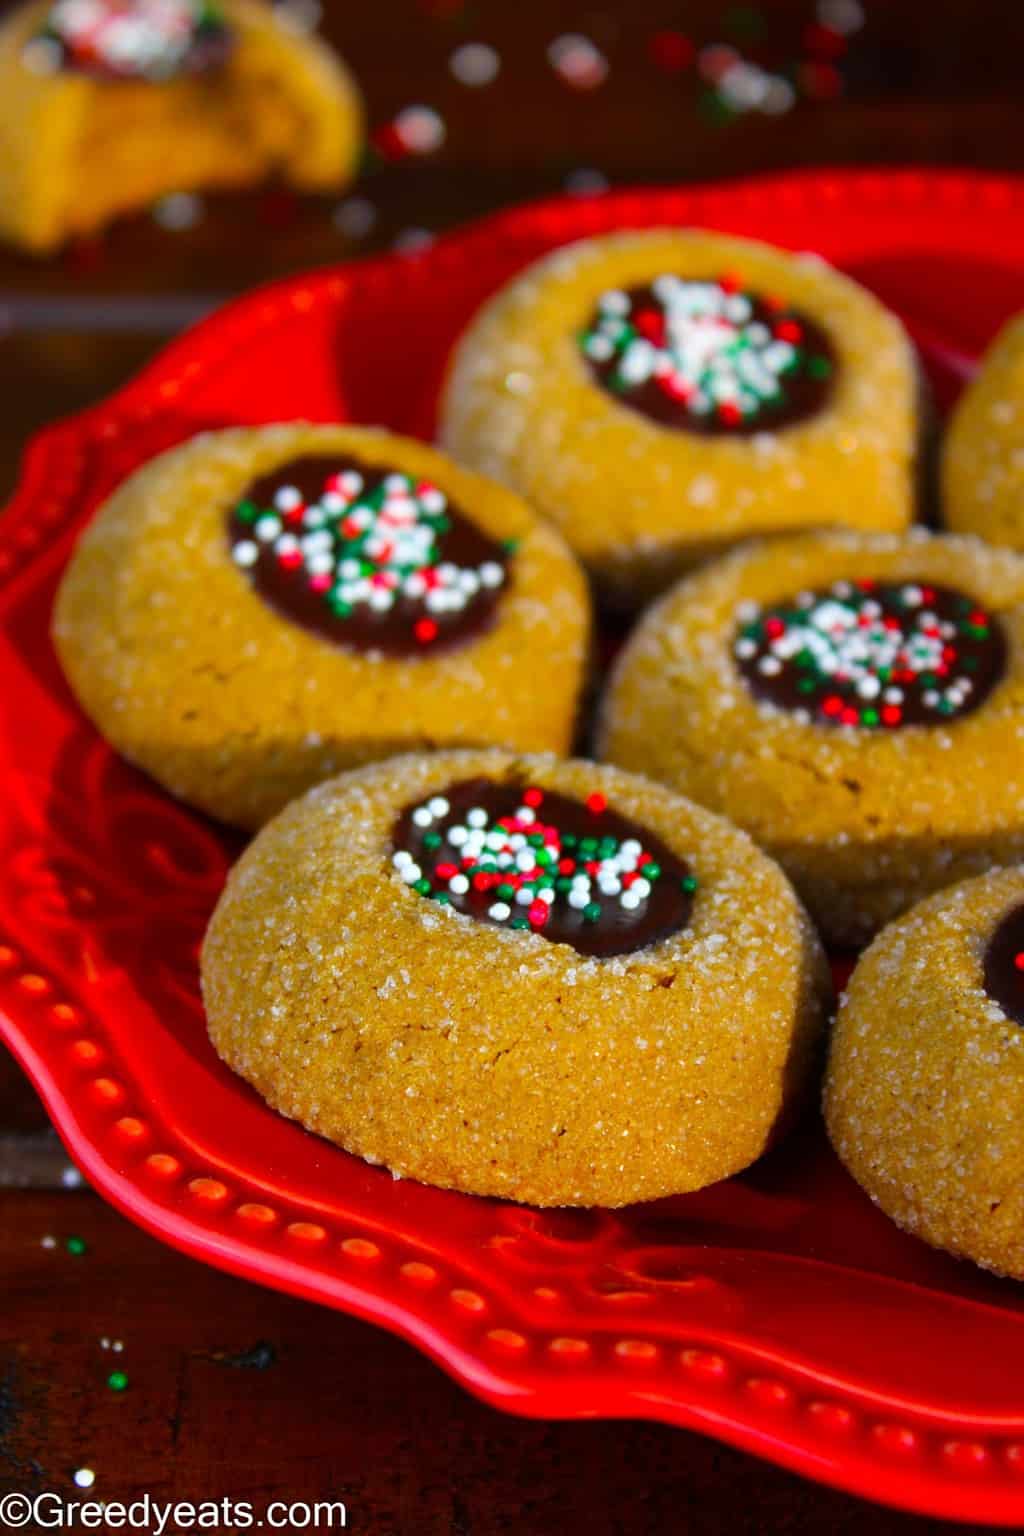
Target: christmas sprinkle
{"points": [[578, 61], [475, 64], [530, 859], [376, 557], [708, 354], [130, 39], [872, 655], [117, 1381]]}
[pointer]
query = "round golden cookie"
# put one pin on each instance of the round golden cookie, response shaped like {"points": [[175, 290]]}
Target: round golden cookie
{"points": [[416, 1027], [983, 455], [924, 1100], [872, 783], [205, 658], [95, 122], [591, 385]]}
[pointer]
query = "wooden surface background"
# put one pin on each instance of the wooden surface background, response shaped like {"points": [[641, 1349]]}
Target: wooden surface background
{"points": [[233, 1389]]}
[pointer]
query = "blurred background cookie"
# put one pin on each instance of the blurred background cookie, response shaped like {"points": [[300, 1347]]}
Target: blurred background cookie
{"points": [[107, 105]]}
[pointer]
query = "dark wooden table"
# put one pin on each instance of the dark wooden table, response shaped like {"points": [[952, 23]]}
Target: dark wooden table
{"points": [[231, 1389]]}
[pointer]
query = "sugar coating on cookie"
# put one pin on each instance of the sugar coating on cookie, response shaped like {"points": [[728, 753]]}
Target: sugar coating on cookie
{"points": [[639, 1042], [924, 1099], [261, 608], [856, 702], [661, 395], [983, 451]]}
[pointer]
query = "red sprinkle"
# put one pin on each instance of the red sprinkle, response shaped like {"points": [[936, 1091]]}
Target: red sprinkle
{"points": [[597, 803], [651, 325], [533, 798], [1018, 961], [425, 630], [670, 51]]}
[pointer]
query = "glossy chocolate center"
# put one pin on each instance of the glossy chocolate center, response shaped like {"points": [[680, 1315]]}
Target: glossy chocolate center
{"points": [[709, 356], [1004, 965], [576, 872], [131, 39], [367, 557], [871, 654]]}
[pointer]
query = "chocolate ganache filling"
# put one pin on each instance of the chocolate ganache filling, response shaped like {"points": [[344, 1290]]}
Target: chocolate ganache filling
{"points": [[872, 654], [517, 856], [368, 557], [1004, 965], [709, 356]]}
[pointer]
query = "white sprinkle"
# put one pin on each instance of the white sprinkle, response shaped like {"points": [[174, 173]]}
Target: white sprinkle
{"points": [[178, 211], [420, 129], [355, 218], [475, 64], [578, 61], [85, 1477], [246, 552]]}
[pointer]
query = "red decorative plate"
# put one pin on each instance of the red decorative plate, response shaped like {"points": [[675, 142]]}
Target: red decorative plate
{"points": [[779, 1311]]}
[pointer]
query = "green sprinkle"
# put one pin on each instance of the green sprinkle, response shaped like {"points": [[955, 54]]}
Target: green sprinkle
{"points": [[423, 886], [506, 892], [432, 840], [77, 1246], [689, 884], [869, 717], [510, 546], [651, 871], [442, 898], [117, 1381], [591, 912], [520, 922], [819, 367], [247, 511]]}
